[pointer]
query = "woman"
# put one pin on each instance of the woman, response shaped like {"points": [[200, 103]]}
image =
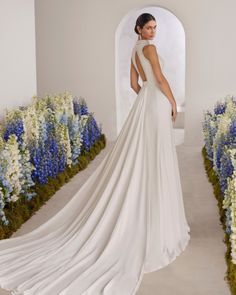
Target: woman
{"points": [[127, 219], [146, 29]]}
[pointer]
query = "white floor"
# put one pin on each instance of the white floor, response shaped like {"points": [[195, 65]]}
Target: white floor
{"points": [[200, 269]]}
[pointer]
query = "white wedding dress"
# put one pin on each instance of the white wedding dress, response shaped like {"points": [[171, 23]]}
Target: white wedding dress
{"points": [[126, 220]]}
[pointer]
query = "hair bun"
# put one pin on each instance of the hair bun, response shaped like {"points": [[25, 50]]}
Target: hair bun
{"points": [[142, 20]]}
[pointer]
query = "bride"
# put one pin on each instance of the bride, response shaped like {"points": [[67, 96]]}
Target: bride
{"points": [[128, 218]]}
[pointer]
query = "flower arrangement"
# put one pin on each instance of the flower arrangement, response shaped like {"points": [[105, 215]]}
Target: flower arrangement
{"points": [[39, 142], [219, 132]]}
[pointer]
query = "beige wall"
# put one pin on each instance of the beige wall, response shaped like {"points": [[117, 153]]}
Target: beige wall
{"points": [[17, 53], [76, 51]]}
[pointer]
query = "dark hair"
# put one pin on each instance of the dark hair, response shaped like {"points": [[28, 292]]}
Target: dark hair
{"points": [[142, 20]]}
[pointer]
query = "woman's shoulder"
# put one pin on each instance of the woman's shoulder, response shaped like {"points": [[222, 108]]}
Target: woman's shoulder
{"points": [[150, 49]]}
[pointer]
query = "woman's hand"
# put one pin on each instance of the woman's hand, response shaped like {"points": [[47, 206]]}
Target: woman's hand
{"points": [[174, 112]]}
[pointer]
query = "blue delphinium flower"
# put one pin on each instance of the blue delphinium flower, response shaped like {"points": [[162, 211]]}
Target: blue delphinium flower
{"points": [[61, 160], [94, 131], [220, 148], [14, 127], [76, 106], [232, 130], [228, 221], [209, 131], [85, 137], [80, 106], [37, 158], [219, 109], [226, 170], [84, 109]]}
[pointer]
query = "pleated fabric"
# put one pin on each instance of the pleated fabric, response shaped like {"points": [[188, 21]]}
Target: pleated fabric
{"points": [[126, 220]]}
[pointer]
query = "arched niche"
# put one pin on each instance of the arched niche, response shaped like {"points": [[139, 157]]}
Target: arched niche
{"points": [[170, 43]]}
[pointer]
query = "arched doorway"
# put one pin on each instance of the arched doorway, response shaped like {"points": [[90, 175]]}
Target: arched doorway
{"points": [[170, 42]]}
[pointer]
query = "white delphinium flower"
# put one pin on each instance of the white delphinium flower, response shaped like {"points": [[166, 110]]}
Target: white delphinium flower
{"points": [[230, 110], [12, 114], [64, 139], [75, 136], [232, 152], [14, 171], [31, 124], [68, 103], [229, 201], [27, 168], [223, 125], [63, 104], [83, 120]]}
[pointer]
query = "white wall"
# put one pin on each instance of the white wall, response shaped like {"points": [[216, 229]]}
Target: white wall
{"points": [[17, 53], [76, 52]]}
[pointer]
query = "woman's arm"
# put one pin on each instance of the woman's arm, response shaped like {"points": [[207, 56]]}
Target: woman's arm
{"points": [[134, 78], [150, 53]]}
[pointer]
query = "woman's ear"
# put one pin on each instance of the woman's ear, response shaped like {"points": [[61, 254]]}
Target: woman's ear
{"points": [[139, 30]]}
